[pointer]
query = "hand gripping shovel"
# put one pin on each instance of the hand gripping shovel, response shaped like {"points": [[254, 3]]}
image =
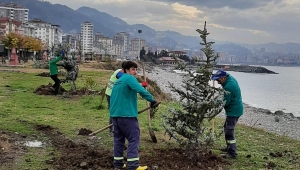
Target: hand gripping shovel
{"points": [[151, 131], [106, 127]]}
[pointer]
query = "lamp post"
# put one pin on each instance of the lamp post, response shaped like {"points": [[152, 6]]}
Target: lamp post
{"points": [[139, 31]]}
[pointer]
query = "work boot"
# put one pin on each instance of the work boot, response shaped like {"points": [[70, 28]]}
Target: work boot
{"points": [[124, 167], [225, 149], [228, 156], [142, 168]]}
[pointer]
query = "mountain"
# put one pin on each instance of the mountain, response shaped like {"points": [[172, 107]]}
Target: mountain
{"points": [[109, 25]]}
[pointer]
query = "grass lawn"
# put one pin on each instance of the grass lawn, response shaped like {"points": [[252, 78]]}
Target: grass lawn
{"points": [[21, 110]]}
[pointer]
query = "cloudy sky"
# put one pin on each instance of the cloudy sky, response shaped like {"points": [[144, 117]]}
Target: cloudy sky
{"points": [[245, 21]]}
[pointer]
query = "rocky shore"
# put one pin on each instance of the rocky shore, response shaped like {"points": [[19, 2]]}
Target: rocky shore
{"points": [[278, 122], [245, 69]]}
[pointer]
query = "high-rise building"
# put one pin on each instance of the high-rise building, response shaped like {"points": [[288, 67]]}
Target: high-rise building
{"points": [[125, 40], [14, 11], [86, 37]]}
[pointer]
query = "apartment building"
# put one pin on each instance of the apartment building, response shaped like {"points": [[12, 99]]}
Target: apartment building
{"points": [[49, 34], [125, 40], [117, 49], [106, 45], [96, 42], [7, 26], [14, 11], [222, 57], [86, 38], [135, 46], [28, 29], [69, 39]]}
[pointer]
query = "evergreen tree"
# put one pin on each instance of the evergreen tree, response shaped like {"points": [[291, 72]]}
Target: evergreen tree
{"points": [[199, 102]]}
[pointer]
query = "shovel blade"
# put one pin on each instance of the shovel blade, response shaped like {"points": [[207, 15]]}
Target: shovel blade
{"points": [[152, 135]]}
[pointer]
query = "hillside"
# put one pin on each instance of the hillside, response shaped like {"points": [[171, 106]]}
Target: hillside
{"points": [[109, 25]]}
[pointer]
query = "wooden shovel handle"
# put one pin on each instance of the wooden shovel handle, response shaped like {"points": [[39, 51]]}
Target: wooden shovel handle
{"points": [[106, 127], [147, 104], [100, 130]]}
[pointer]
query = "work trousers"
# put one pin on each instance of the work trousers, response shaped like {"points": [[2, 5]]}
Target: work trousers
{"points": [[126, 128], [56, 83], [229, 127]]}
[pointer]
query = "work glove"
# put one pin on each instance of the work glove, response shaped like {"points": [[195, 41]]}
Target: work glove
{"points": [[153, 104], [144, 84]]}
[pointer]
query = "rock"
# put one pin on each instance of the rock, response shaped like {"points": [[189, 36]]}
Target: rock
{"points": [[154, 167], [83, 165], [276, 119], [268, 112], [279, 113], [291, 115]]}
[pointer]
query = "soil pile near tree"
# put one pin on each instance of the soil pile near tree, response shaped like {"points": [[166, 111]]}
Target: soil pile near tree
{"points": [[46, 90], [85, 155]]}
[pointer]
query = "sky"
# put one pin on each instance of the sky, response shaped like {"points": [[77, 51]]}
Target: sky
{"points": [[241, 21]]}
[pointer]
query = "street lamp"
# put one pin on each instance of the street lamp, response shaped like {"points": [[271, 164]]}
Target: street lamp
{"points": [[139, 31]]}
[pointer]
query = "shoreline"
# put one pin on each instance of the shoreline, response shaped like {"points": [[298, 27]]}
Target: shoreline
{"points": [[278, 122]]}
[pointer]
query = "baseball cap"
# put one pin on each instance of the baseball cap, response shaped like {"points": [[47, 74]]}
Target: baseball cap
{"points": [[218, 74]]}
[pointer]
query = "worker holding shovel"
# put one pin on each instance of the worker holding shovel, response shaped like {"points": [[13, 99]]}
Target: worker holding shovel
{"points": [[123, 111]]}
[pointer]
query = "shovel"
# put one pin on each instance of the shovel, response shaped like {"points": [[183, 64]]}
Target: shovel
{"points": [[151, 131], [106, 127], [102, 98]]}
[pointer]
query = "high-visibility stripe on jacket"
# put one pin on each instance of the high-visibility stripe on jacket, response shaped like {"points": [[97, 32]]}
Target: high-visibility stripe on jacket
{"points": [[111, 82]]}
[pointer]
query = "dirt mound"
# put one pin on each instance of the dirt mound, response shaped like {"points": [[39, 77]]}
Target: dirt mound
{"points": [[76, 155], [86, 156], [181, 159], [46, 90], [84, 132]]}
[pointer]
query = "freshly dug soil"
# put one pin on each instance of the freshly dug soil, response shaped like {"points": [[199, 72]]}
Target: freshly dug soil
{"points": [[86, 155]]}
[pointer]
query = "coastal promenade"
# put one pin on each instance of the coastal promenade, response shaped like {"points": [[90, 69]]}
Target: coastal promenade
{"points": [[277, 122]]}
